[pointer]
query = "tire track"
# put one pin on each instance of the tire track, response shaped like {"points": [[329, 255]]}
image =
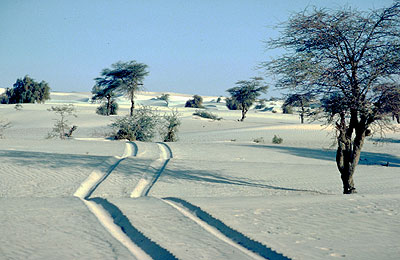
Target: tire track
{"points": [[156, 168], [98, 176], [105, 217], [225, 233]]}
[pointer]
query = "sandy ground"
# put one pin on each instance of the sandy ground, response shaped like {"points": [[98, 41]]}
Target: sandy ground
{"points": [[214, 194]]}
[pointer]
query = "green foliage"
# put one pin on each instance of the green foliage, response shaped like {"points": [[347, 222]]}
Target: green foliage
{"points": [[196, 102], [165, 97], [233, 104], [246, 93], [259, 140], [26, 90], [141, 126], [287, 109], [170, 127], [18, 107], [106, 110], [206, 114], [277, 140], [219, 99], [124, 77], [61, 128]]}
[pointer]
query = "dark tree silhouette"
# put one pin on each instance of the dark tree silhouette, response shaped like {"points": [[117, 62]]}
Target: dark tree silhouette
{"points": [[245, 94], [299, 100], [351, 60], [26, 90], [126, 78]]}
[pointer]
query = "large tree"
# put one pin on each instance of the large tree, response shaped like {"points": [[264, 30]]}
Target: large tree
{"points": [[351, 60], [246, 92], [126, 77], [26, 90]]}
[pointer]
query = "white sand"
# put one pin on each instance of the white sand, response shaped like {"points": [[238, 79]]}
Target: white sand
{"points": [[214, 194]]}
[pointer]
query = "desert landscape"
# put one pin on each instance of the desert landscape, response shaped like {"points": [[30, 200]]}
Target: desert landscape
{"points": [[222, 191]]}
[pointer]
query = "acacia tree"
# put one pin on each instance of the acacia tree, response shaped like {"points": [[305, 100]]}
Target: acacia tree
{"points": [[349, 59], [299, 100], [127, 78], [104, 89], [246, 92], [26, 90]]}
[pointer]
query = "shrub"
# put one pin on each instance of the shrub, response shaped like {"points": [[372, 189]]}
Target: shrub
{"points": [[165, 97], [61, 127], [233, 104], [259, 140], [170, 128], [261, 104], [26, 90], [141, 126], [102, 109], [219, 99], [196, 102], [206, 114], [277, 140], [287, 109], [18, 107]]}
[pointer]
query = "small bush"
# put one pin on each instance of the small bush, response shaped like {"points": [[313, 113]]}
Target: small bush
{"points": [[219, 99], [165, 97], [277, 140], [102, 109], [61, 127], [274, 111], [170, 128], [141, 126], [196, 102], [233, 104], [259, 140], [206, 114], [18, 107], [286, 109]]}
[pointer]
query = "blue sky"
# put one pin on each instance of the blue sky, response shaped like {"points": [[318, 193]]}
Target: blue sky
{"points": [[194, 46]]}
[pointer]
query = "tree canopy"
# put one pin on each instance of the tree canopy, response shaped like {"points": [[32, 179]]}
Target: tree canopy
{"points": [[351, 60], [124, 77], [26, 90], [245, 94]]}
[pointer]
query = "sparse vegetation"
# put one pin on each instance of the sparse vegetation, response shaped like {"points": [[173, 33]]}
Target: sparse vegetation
{"points": [[165, 97], [301, 101], [141, 126], [261, 104], [277, 140], [26, 90], [170, 128], [259, 140], [18, 107], [106, 109], [196, 102], [233, 104], [61, 128], [206, 114], [104, 90], [246, 93]]}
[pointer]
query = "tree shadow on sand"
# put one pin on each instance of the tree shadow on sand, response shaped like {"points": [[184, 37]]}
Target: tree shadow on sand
{"points": [[367, 158], [203, 176], [51, 160]]}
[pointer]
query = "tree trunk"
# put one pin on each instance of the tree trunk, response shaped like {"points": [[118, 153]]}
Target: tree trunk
{"points": [[108, 105], [244, 111], [349, 151], [132, 96]]}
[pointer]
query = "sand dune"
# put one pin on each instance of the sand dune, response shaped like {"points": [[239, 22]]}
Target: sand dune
{"points": [[214, 194]]}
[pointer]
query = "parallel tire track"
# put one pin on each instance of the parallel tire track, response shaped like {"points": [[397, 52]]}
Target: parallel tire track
{"points": [[225, 233], [156, 168], [105, 217]]}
